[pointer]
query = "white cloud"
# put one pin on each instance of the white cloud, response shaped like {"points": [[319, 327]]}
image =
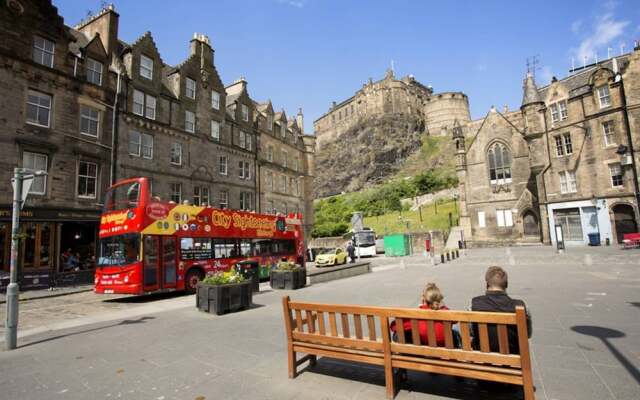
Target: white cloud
{"points": [[605, 30], [576, 26], [293, 3]]}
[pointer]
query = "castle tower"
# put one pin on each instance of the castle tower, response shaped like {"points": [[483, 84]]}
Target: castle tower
{"points": [[531, 107], [461, 171]]}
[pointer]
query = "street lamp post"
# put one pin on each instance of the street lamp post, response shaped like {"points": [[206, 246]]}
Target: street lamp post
{"points": [[11, 325]]}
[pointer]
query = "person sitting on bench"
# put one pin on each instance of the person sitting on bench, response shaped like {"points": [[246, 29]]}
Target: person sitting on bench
{"points": [[496, 299], [431, 300]]}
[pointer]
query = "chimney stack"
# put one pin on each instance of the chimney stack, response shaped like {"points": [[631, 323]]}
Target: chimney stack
{"points": [[105, 24], [201, 46]]}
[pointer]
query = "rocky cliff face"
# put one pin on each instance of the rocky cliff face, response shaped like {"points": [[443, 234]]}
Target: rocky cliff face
{"points": [[368, 153]]}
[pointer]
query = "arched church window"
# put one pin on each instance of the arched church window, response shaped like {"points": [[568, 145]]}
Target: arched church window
{"points": [[499, 158]]}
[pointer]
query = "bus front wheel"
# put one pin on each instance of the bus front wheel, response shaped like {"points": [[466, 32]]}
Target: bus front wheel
{"points": [[191, 280]]}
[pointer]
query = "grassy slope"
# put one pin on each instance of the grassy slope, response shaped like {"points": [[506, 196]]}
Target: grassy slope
{"points": [[391, 223], [435, 153]]}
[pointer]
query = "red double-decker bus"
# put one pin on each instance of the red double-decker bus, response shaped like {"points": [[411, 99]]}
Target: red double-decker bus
{"points": [[148, 245]]}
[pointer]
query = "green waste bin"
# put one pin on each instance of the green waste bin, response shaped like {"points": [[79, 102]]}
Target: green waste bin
{"points": [[397, 245]]}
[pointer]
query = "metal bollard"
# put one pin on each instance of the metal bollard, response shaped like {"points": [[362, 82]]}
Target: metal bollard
{"points": [[441, 258], [457, 254], [448, 256]]}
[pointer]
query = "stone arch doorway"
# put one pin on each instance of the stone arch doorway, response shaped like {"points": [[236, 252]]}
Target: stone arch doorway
{"points": [[625, 220], [530, 224]]}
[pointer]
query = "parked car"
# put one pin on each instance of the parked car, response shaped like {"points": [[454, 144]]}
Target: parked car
{"points": [[331, 257]]}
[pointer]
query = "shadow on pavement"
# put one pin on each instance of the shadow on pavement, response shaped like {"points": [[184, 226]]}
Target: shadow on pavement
{"points": [[420, 382], [140, 320], [146, 298], [605, 334], [634, 303]]}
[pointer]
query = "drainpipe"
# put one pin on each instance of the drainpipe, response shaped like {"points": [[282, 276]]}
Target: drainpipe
{"points": [[544, 185], [114, 131], [623, 98]]}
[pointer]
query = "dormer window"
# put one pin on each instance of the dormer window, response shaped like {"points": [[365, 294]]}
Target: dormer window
{"points": [[245, 113], [190, 88], [269, 122], [604, 96], [94, 71], [283, 130], [43, 51], [146, 67], [559, 111]]}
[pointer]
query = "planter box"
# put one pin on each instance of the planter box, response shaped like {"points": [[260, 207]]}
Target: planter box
{"points": [[288, 279], [221, 299]]}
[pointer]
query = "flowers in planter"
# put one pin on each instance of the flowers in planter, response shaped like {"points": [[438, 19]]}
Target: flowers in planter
{"points": [[223, 278], [287, 266]]}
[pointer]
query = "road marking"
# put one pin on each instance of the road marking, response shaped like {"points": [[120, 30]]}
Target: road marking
{"points": [[596, 294], [583, 305]]}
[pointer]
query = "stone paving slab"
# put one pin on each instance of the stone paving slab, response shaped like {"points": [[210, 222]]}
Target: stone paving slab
{"points": [[168, 350]]}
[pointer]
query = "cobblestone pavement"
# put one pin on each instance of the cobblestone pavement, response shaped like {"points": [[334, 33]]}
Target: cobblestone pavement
{"points": [[585, 344]]}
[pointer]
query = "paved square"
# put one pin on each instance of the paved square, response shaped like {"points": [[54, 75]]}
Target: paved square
{"points": [[585, 345]]}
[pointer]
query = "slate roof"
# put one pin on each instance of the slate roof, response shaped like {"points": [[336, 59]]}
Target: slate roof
{"points": [[578, 83], [81, 41]]}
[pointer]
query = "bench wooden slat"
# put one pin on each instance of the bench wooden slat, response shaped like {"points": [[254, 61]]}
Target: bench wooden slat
{"points": [[448, 335], [372, 327], [523, 344], [311, 321], [511, 360], [415, 332], [462, 372], [483, 332], [400, 330], [357, 321], [386, 348], [345, 325], [340, 355], [369, 353], [338, 341], [321, 328], [332, 324], [407, 313], [299, 324], [431, 334], [503, 339], [465, 335], [457, 364]]}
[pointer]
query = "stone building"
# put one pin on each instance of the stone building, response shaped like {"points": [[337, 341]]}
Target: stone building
{"points": [[565, 159], [284, 168], [393, 96], [56, 114], [196, 138]]}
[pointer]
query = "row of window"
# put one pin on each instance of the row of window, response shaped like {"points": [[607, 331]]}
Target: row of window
{"points": [[87, 175], [44, 53], [294, 184], [504, 218], [284, 208], [39, 113], [559, 109], [202, 197], [284, 157], [564, 146], [207, 248], [347, 110], [568, 179]]}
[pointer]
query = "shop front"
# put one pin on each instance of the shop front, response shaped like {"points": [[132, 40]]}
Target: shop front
{"points": [[579, 219], [52, 241]]}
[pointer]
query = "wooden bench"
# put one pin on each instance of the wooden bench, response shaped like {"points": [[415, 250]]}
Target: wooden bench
{"points": [[631, 240], [362, 334]]}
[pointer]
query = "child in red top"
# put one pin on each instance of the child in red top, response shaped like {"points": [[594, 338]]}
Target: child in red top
{"points": [[431, 300]]}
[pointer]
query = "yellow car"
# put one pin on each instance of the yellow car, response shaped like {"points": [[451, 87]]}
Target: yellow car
{"points": [[331, 257]]}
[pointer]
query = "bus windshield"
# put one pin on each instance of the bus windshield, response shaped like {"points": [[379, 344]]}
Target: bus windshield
{"points": [[119, 250], [122, 197], [365, 238]]}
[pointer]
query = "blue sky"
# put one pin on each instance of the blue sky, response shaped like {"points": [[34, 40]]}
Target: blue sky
{"points": [[307, 53]]}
